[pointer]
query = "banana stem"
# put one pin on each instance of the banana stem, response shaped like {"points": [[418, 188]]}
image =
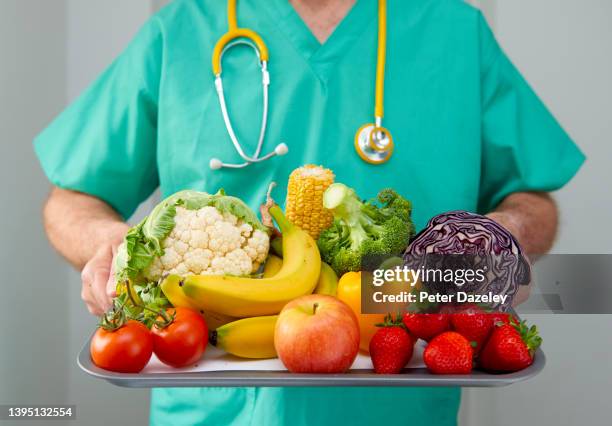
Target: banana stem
{"points": [[279, 217], [270, 208]]}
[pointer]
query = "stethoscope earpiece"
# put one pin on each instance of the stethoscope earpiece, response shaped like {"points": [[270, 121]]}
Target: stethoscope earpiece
{"points": [[215, 164], [281, 149]]}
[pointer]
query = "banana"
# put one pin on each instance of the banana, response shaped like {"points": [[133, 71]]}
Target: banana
{"points": [[328, 281], [214, 320], [171, 287], [174, 293], [272, 266], [247, 338], [245, 297], [254, 337]]}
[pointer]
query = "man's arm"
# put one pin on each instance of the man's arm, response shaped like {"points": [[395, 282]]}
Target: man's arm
{"points": [[86, 231], [532, 218]]}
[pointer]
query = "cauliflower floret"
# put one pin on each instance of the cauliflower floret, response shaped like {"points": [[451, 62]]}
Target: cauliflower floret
{"points": [[184, 236], [206, 242], [198, 260], [210, 214], [181, 269], [245, 229], [199, 239], [180, 247], [170, 259], [261, 243], [236, 262], [239, 262], [223, 237]]}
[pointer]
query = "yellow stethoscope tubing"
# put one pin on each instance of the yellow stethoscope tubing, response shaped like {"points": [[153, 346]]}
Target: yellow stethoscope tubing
{"points": [[232, 21], [372, 150], [234, 33], [381, 58]]}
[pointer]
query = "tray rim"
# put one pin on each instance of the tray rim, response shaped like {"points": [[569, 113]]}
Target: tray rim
{"points": [[413, 377]]}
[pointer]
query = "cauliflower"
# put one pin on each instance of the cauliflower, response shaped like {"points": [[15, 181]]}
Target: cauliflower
{"points": [[194, 233], [206, 242]]}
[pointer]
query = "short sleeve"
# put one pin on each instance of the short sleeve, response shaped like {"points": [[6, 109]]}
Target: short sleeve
{"points": [[104, 144], [523, 147]]}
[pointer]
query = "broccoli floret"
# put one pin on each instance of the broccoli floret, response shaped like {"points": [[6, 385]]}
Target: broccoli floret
{"points": [[380, 227]]}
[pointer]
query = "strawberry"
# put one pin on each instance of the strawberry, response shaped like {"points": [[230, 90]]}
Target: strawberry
{"points": [[502, 317], [510, 347], [449, 353], [391, 347], [474, 324], [426, 326]]}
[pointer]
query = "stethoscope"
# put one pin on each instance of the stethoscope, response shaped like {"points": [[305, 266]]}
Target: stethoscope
{"points": [[373, 142]]}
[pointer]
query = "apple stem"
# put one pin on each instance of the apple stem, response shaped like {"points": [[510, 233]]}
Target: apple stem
{"points": [[314, 308]]}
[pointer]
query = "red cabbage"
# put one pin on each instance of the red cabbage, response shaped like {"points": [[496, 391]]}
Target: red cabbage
{"points": [[464, 240]]}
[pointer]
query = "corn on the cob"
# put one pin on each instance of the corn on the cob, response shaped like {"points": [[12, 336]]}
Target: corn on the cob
{"points": [[304, 206]]}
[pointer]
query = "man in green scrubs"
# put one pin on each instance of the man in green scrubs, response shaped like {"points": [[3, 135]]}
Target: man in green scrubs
{"points": [[469, 134]]}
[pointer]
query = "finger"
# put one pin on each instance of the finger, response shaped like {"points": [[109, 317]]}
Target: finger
{"points": [[94, 278], [86, 294], [100, 265], [88, 298], [86, 276], [111, 286], [98, 288], [94, 310]]}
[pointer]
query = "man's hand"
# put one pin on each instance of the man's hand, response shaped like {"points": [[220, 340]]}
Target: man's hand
{"points": [[97, 281], [87, 232], [532, 218]]}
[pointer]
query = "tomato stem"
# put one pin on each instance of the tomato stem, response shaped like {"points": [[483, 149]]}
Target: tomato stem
{"points": [[167, 319], [114, 321]]}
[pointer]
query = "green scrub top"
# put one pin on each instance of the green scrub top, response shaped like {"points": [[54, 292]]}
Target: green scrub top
{"points": [[468, 131]]}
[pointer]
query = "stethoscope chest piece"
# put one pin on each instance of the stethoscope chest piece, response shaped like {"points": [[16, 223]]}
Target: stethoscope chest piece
{"points": [[374, 144]]}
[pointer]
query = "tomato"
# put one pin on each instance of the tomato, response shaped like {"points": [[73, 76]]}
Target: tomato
{"points": [[183, 342], [124, 350], [349, 291]]}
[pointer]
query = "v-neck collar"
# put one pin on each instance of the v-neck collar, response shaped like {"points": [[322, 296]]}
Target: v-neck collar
{"points": [[322, 56]]}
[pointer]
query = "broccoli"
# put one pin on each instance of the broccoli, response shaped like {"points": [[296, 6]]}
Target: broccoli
{"points": [[380, 227]]}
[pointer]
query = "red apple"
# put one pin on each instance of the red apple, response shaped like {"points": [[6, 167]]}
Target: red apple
{"points": [[317, 334]]}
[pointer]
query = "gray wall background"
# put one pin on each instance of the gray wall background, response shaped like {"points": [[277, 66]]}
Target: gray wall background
{"points": [[564, 47], [51, 50]]}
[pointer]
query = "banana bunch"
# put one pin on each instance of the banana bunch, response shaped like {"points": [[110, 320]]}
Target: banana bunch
{"points": [[254, 337], [223, 300]]}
